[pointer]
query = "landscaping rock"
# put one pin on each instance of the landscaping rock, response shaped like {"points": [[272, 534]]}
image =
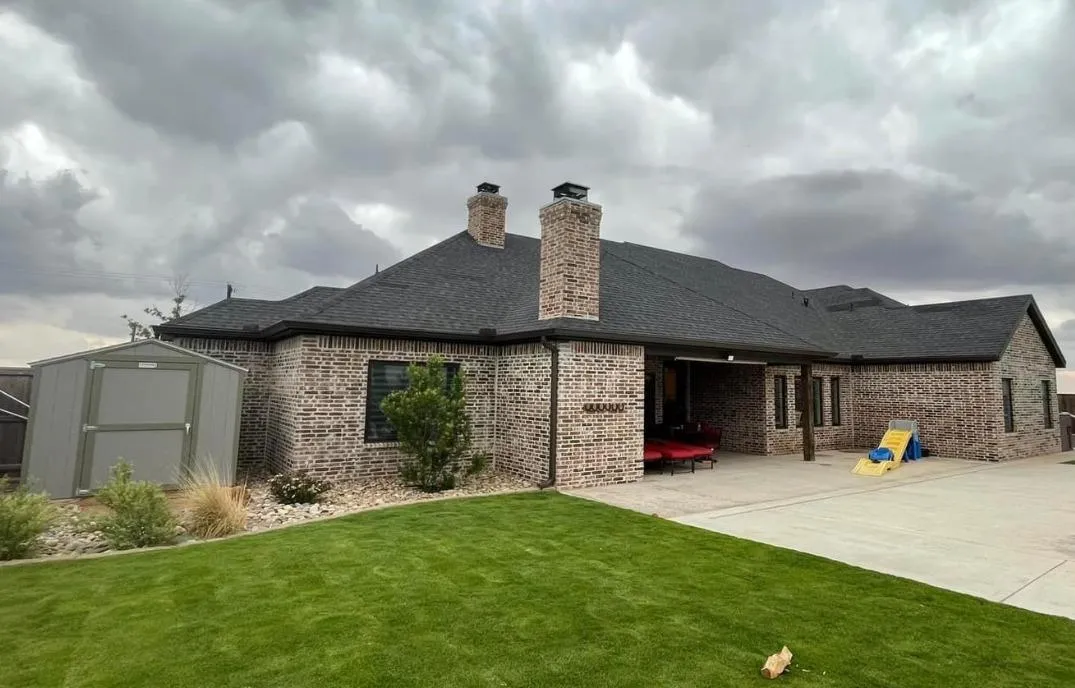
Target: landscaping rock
{"points": [[76, 532], [349, 496], [71, 534]]}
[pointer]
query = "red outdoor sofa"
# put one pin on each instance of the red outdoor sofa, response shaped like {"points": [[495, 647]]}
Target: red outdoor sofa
{"points": [[702, 446]]}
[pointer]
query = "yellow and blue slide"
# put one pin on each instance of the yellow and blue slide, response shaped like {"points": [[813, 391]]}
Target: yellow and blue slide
{"points": [[896, 442]]}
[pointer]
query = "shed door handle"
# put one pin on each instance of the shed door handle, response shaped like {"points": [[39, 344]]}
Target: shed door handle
{"points": [[88, 428], [188, 427]]}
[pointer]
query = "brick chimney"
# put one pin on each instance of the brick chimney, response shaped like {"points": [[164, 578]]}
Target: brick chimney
{"points": [[486, 214], [570, 279]]}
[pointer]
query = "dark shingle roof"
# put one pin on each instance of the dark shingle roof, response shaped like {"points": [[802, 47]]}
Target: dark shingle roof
{"points": [[460, 289], [236, 314], [843, 297], [980, 329]]}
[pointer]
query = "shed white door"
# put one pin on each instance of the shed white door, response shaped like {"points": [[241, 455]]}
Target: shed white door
{"points": [[142, 412]]}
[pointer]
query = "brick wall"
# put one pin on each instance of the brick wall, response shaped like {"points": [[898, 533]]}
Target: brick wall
{"points": [[1027, 362], [330, 435], [256, 357], [731, 397], [957, 406], [569, 276], [521, 435], [304, 404], [605, 446], [285, 404], [826, 436]]}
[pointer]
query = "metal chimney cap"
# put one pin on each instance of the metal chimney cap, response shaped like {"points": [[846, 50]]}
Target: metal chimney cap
{"points": [[488, 187], [571, 190]]}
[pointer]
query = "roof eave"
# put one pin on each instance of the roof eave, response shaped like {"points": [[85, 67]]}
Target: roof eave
{"points": [[889, 360], [288, 328], [1045, 333], [805, 354], [175, 330]]}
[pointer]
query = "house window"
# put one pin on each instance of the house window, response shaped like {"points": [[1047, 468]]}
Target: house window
{"points": [[834, 399], [386, 377], [1009, 414], [818, 418], [780, 401], [800, 401], [1047, 402]]}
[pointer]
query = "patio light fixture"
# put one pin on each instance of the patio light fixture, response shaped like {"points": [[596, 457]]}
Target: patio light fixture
{"points": [[729, 359]]}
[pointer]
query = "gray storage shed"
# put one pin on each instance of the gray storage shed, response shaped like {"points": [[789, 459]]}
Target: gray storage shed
{"points": [[159, 406]]}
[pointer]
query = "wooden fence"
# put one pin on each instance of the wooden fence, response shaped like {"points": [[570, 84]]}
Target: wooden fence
{"points": [[14, 408]]}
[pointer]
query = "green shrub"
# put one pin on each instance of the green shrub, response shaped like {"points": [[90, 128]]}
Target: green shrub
{"points": [[297, 487], [478, 463], [23, 516], [140, 513], [432, 425]]}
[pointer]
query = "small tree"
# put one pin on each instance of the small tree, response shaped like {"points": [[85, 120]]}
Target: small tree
{"points": [[140, 513], [139, 330], [432, 425]]}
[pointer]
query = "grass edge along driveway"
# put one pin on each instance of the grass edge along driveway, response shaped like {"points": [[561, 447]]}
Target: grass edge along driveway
{"points": [[535, 589]]}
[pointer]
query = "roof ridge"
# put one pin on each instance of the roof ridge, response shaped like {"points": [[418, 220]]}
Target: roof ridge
{"points": [[713, 261], [378, 276], [687, 255], [707, 297], [1025, 297]]}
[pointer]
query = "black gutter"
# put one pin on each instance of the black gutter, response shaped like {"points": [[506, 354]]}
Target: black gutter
{"points": [[288, 328], [284, 329], [554, 393], [919, 359], [206, 333]]}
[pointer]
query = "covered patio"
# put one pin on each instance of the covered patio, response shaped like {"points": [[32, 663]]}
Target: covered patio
{"points": [[748, 403]]}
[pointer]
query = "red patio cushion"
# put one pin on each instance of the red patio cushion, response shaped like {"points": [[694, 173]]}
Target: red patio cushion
{"points": [[673, 452], [651, 452], [683, 450]]}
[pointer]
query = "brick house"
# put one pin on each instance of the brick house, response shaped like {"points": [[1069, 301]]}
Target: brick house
{"points": [[544, 328]]}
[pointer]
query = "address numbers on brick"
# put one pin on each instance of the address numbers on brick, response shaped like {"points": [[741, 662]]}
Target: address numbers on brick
{"points": [[595, 407]]}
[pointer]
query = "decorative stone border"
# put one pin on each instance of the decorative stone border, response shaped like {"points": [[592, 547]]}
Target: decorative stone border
{"points": [[337, 511]]}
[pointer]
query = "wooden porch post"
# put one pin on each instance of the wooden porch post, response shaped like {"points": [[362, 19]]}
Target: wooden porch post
{"points": [[806, 373]]}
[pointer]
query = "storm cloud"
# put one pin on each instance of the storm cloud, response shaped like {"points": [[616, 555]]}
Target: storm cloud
{"points": [[922, 148]]}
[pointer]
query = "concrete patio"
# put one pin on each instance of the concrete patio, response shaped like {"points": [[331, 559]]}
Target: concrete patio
{"points": [[1004, 532]]}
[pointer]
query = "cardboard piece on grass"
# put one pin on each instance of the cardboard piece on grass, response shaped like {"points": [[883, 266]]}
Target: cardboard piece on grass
{"points": [[777, 664]]}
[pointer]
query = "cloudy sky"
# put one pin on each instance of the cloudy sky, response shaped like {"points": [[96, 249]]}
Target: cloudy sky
{"points": [[925, 148]]}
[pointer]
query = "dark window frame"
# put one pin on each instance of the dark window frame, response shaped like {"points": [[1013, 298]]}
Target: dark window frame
{"points": [[1008, 396], [834, 400], [374, 414], [1047, 404], [819, 401], [780, 401]]}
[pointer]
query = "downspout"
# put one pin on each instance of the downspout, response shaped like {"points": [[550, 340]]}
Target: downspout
{"points": [[554, 390]]}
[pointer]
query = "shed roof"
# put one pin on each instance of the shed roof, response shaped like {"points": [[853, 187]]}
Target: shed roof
{"points": [[89, 353]]}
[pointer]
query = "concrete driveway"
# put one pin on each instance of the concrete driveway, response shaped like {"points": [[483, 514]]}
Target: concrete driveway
{"points": [[1004, 532]]}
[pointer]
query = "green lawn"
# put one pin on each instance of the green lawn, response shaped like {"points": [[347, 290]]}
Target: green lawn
{"points": [[523, 590]]}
